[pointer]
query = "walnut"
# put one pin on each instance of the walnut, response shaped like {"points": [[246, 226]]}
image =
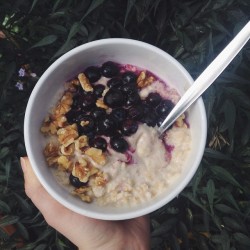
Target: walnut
{"points": [[64, 105], [84, 81], [52, 161], [100, 104], [67, 150], [143, 80], [48, 126], [67, 135], [81, 171], [64, 162], [50, 150], [81, 142], [180, 121], [84, 193], [72, 85], [59, 121], [100, 179], [96, 155]]}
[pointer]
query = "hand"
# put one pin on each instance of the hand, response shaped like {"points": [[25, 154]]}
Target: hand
{"points": [[86, 233]]}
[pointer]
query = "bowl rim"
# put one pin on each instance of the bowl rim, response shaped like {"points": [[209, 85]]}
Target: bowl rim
{"points": [[128, 214]]}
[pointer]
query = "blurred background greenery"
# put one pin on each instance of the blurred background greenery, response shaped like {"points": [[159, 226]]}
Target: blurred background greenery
{"points": [[213, 211]]}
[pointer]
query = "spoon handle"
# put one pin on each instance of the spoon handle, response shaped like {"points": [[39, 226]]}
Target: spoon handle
{"points": [[208, 76]]}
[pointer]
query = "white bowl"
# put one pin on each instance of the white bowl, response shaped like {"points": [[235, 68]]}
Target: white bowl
{"points": [[49, 87]]}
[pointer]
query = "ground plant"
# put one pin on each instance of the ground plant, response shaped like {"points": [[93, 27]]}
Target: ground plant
{"points": [[213, 211]]}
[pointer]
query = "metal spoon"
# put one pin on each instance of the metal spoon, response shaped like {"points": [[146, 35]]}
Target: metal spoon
{"points": [[207, 77]]}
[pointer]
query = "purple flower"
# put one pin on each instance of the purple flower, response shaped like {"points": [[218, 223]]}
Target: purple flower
{"points": [[21, 72], [19, 85]]}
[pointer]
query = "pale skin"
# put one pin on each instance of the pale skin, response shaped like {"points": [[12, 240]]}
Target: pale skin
{"points": [[86, 233]]}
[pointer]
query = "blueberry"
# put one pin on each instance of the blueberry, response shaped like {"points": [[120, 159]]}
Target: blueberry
{"points": [[129, 127], [115, 82], [88, 101], [119, 144], [114, 98], [136, 112], [98, 90], [164, 107], [93, 73], [128, 88], [99, 143], [150, 119], [106, 126], [146, 108], [119, 114], [129, 77], [109, 69], [133, 98], [86, 124], [153, 99], [76, 182], [98, 113], [72, 115]]}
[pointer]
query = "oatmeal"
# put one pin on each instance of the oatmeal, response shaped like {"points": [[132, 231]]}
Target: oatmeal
{"points": [[101, 137]]}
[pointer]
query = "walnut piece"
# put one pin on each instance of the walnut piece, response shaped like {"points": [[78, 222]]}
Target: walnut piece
{"points": [[48, 126], [81, 143], [84, 193], [100, 104], [143, 80], [64, 162], [81, 171], [50, 150], [96, 155], [100, 179], [67, 150], [67, 135], [64, 105], [84, 81]]}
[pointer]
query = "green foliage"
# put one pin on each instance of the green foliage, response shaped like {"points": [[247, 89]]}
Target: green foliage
{"points": [[213, 211]]}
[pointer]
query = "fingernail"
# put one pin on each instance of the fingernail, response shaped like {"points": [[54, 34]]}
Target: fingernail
{"points": [[23, 163]]}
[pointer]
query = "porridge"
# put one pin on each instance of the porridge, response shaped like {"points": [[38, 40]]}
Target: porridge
{"points": [[101, 137]]}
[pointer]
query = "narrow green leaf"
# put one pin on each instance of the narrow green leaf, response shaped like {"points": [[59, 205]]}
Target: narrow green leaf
{"points": [[94, 4], [8, 220], [3, 234], [210, 194], [27, 208], [22, 230], [45, 234], [130, 4], [234, 224], [197, 179], [223, 174], [4, 152], [225, 209], [229, 110], [56, 5], [10, 138], [212, 153], [69, 44], [41, 247], [4, 207], [33, 5], [45, 41], [242, 239], [7, 167], [164, 227]]}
